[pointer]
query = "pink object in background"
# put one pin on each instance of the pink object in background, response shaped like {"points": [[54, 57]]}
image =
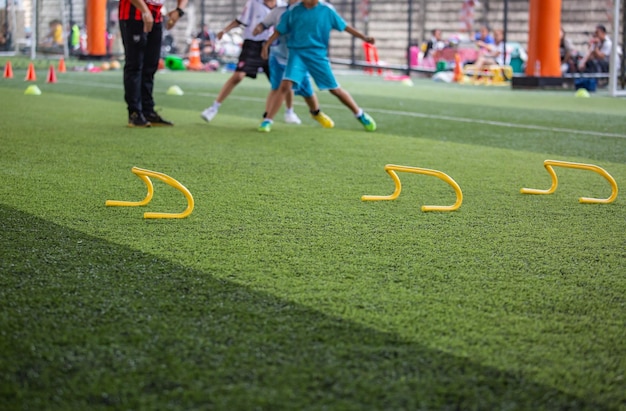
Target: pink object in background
{"points": [[414, 56]]}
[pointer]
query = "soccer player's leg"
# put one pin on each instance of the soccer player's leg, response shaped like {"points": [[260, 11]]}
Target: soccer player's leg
{"points": [[319, 69], [275, 97], [274, 105], [247, 66], [305, 89], [134, 53], [293, 72], [277, 71], [210, 112], [325, 80]]}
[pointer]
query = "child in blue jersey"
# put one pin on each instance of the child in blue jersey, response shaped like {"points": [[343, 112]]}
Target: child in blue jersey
{"points": [[278, 62], [308, 27], [250, 61]]}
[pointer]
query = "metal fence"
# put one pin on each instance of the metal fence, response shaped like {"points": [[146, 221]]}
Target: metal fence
{"points": [[34, 26]]}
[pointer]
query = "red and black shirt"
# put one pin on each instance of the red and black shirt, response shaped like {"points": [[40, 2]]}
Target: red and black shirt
{"points": [[129, 12]]}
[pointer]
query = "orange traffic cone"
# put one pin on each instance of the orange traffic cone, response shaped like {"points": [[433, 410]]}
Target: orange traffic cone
{"points": [[30, 74], [62, 68], [52, 77], [458, 70], [194, 56], [8, 70]]}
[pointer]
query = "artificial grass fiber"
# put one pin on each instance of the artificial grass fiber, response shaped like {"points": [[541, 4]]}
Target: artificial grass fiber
{"points": [[283, 290]]}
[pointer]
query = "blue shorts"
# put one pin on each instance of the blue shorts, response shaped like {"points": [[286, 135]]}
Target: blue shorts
{"points": [[277, 71], [317, 64]]}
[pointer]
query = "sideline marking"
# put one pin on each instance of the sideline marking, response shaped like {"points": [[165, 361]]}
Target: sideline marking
{"points": [[409, 114]]}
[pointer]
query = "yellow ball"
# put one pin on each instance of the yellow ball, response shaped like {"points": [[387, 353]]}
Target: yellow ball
{"points": [[115, 65], [105, 66]]}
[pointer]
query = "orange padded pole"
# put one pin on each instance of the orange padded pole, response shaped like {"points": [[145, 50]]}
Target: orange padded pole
{"points": [[96, 27], [543, 44], [548, 42], [533, 14]]}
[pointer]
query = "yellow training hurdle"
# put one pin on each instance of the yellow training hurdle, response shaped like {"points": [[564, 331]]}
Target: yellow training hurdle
{"points": [[145, 175], [548, 164], [391, 170]]}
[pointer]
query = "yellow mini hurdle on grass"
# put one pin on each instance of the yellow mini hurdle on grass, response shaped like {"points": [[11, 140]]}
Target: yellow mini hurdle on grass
{"points": [[548, 164], [391, 170], [145, 175]]}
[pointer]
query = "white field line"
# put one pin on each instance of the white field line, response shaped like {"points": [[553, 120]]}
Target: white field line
{"points": [[407, 114]]}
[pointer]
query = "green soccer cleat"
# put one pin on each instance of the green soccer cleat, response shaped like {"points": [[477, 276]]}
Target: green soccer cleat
{"points": [[265, 127], [367, 121]]}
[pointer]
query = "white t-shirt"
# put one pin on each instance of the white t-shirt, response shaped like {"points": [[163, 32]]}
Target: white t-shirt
{"points": [[605, 47], [253, 13], [500, 57], [279, 48]]}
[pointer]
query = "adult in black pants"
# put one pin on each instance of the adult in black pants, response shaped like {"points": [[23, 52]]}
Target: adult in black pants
{"points": [[141, 26]]}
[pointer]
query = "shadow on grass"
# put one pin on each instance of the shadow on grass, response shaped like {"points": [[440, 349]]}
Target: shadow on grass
{"points": [[87, 324]]}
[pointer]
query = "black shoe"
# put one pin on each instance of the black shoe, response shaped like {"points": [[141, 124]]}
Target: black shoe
{"points": [[137, 120], [157, 121]]}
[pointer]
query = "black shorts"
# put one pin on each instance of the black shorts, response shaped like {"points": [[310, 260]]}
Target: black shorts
{"points": [[250, 60]]}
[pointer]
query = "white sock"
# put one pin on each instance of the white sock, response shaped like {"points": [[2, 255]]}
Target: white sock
{"points": [[359, 114], [288, 110], [216, 105]]}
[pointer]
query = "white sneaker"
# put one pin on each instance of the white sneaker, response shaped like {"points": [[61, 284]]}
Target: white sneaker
{"points": [[292, 118], [209, 113]]}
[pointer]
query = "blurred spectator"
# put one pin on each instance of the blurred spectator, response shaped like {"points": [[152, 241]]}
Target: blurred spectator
{"points": [[74, 38], [207, 43], [434, 45], [110, 37], [5, 38], [597, 58], [568, 54], [483, 38], [168, 44], [485, 43], [57, 32], [467, 15], [494, 53], [54, 39]]}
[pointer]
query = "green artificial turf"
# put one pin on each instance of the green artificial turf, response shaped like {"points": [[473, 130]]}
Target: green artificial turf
{"points": [[283, 290]]}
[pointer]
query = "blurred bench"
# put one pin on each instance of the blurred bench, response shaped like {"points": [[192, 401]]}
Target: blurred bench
{"points": [[497, 74]]}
